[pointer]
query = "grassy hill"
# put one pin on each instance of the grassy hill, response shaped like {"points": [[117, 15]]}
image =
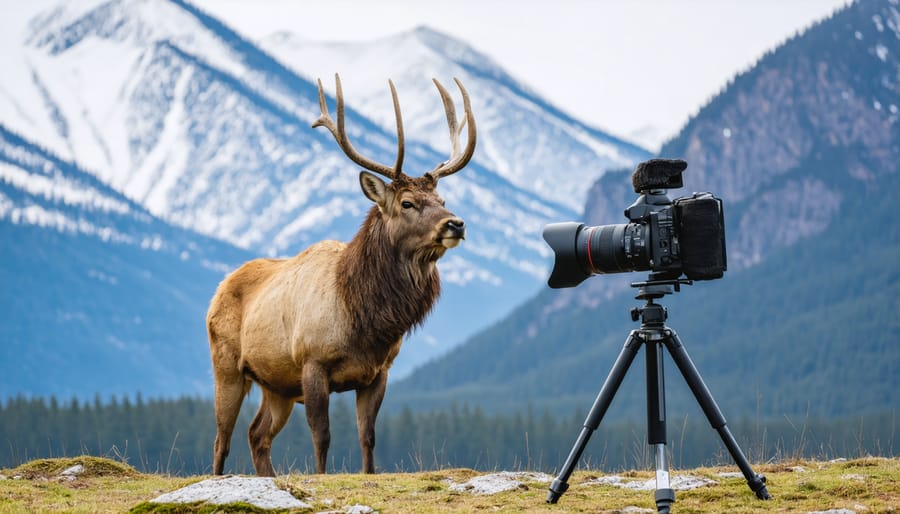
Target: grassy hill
{"points": [[860, 485]]}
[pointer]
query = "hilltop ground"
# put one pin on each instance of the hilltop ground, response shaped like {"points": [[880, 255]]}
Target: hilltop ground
{"points": [[868, 485]]}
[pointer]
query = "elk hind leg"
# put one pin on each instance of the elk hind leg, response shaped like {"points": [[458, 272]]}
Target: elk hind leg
{"points": [[274, 412]]}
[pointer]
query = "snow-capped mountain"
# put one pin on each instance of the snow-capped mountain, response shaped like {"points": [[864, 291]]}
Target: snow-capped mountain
{"points": [[99, 296], [172, 109], [523, 137]]}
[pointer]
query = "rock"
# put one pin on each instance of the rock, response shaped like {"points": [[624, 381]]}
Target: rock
{"points": [[259, 491], [74, 471], [353, 509], [499, 482], [834, 511], [359, 509], [678, 482], [2, 477]]}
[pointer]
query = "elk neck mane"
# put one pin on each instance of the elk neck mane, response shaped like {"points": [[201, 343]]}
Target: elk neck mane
{"points": [[387, 294]]}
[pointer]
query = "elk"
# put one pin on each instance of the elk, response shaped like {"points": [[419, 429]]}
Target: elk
{"points": [[332, 318]]}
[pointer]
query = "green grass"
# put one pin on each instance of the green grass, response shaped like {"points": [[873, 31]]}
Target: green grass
{"points": [[870, 485]]}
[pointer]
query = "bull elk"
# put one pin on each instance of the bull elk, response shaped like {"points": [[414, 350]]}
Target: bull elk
{"points": [[332, 318]]}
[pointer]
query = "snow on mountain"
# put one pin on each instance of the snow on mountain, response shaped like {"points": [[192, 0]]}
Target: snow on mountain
{"points": [[176, 111], [523, 137], [98, 294]]}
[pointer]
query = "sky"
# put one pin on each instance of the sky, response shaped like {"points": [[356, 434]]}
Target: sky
{"points": [[637, 69]]}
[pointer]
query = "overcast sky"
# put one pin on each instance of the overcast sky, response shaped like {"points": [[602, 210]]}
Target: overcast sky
{"points": [[622, 66]]}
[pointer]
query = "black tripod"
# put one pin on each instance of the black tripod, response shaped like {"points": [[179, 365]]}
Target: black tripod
{"points": [[655, 334]]}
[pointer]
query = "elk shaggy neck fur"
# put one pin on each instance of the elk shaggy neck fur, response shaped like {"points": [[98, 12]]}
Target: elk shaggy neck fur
{"points": [[386, 293]]}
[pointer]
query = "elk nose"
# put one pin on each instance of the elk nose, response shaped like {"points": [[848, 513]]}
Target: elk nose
{"points": [[457, 227]]}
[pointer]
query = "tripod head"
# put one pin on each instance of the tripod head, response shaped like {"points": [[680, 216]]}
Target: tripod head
{"points": [[658, 285]]}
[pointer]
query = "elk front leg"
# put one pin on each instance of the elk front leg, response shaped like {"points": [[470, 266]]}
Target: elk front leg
{"points": [[230, 392], [368, 401], [315, 399]]}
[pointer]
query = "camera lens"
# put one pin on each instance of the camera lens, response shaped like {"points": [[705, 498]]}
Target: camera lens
{"points": [[614, 248], [599, 249]]}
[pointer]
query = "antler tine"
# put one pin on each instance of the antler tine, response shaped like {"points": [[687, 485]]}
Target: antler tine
{"points": [[340, 134], [450, 109], [398, 166], [457, 159]]}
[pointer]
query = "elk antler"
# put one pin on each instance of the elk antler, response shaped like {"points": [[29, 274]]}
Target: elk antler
{"points": [[457, 159], [340, 134]]}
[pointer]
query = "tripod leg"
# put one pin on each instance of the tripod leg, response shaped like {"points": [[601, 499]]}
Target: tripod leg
{"points": [[656, 424], [595, 416], [756, 482]]}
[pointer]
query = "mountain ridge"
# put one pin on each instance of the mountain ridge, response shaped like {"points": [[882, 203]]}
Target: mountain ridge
{"points": [[511, 141], [97, 286]]}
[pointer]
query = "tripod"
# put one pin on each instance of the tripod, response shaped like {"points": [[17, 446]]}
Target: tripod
{"points": [[655, 334]]}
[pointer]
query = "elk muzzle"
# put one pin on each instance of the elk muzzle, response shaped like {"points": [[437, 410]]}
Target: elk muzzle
{"points": [[452, 231]]}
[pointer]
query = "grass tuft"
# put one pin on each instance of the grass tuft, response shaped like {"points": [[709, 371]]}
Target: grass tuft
{"points": [[93, 467]]}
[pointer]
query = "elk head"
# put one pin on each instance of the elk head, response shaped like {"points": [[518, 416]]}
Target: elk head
{"points": [[414, 216]]}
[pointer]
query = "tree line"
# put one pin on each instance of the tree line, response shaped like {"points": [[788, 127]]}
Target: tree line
{"points": [[175, 436]]}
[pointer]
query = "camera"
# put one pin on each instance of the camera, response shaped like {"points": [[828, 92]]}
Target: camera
{"points": [[670, 238]]}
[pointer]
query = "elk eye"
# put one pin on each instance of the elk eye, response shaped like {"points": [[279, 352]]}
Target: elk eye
{"points": [[407, 204]]}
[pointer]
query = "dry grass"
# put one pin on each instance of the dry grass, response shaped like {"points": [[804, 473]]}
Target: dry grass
{"points": [[869, 485]]}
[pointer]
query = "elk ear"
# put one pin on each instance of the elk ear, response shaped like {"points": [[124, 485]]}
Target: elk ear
{"points": [[373, 187]]}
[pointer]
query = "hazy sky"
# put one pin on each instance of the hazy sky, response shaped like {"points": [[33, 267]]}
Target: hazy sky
{"points": [[622, 65]]}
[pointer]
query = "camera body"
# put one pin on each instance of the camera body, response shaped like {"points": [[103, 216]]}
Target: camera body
{"points": [[685, 236]]}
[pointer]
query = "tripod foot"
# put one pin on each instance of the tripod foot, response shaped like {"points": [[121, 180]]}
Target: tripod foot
{"points": [[664, 500], [557, 488], [758, 486]]}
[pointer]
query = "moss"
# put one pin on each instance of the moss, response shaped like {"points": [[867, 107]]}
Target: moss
{"points": [[93, 467], [198, 508]]}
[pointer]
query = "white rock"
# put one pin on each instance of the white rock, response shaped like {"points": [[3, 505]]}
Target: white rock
{"points": [[75, 470], [833, 511], [359, 509], [677, 483], [259, 491], [499, 482]]}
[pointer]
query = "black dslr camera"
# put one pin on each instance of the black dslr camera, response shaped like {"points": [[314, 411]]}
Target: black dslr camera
{"points": [[669, 238]]}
